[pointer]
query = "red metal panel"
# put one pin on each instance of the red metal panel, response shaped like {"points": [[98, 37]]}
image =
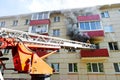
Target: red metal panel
{"points": [[95, 53], [88, 18], [37, 22], [98, 33]]}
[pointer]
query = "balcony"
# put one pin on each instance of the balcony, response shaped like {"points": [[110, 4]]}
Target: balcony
{"points": [[97, 54], [96, 36], [88, 18], [91, 25], [39, 22]]}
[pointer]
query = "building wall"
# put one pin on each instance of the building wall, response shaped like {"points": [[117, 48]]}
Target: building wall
{"points": [[63, 57], [20, 26]]}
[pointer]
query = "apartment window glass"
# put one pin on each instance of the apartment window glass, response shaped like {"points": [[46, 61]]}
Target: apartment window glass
{"points": [[42, 29], [56, 32], [105, 14], [92, 25], [117, 67], [46, 15], [40, 16], [108, 29], [6, 51], [87, 26], [56, 19], [72, 67], [27, 22], [98, 25], [95, 67], [55, 67], [15, 22], [82, 27], [97, 46], [113, 45], [34, 16], [2, 24]]}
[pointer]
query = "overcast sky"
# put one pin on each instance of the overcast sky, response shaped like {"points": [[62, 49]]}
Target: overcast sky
{"points": [[16, 7]]}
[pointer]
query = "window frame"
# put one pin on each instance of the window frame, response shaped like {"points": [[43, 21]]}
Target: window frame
{"points": [[118, 67], [113, 45], [15, 22], [40, 16], [27, 21], [87, 27], [42, 29], [105, 14], [108, 29], [6, 51], [57, 19], [55, 70], [72, 66], [2, 24], [99, 69], [56, 32]]}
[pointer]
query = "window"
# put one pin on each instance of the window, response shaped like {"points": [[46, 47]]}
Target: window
{"points": [[39, 16], [34, 16], [55, 67], [71, 50], [2, 24], [97, 46], [87, 26], [95, 67], [108, 29], [72, 67], [6, 51], [117, 67], [27, 22], [93, 25], [15, 22], [105, 14], [42, 29], [56, 32], [113, 45], [57, 19]]}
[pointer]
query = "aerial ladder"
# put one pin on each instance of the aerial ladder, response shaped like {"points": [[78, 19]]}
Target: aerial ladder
{"points": [[29, 51]]}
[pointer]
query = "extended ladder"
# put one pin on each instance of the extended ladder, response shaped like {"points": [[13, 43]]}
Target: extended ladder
{"points": [[43, 39]]}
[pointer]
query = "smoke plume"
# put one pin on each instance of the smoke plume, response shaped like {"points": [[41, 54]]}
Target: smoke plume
{"points": [[72, 26]]}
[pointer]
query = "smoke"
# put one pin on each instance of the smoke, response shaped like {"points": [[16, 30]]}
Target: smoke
{"points": [[72, 26]]}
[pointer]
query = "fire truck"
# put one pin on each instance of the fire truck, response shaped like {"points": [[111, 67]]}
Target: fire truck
{"points": [[29, 51]]}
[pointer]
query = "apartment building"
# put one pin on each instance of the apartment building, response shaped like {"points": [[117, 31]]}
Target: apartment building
{"points": [[98, 25]]}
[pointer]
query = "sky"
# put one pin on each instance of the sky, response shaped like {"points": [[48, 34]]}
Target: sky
{"points": [[16, 7]]}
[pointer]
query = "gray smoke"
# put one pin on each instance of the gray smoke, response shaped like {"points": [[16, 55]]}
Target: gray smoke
{"points": [[72, 26], [74, 33]]}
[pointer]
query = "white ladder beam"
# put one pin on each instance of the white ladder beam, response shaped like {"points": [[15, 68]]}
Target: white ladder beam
{"points": [[36, 38]]}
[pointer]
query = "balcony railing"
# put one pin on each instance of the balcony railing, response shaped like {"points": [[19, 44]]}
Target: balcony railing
{"points": [[94, 54], [96, 33], [88, 18], [38, 22]]}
